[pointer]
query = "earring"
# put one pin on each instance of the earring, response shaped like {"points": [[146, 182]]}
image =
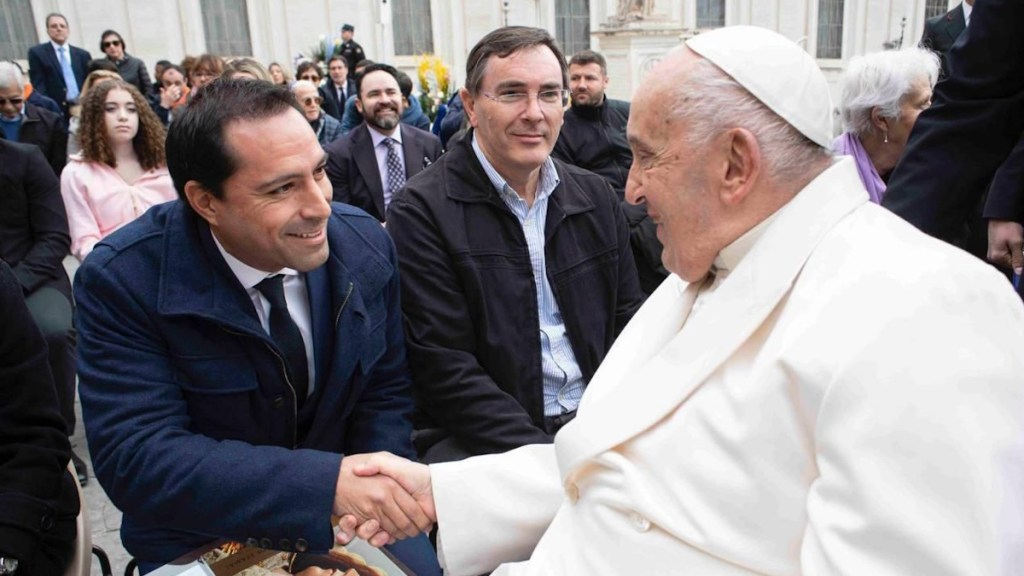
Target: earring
{"points": [[885, 137]]}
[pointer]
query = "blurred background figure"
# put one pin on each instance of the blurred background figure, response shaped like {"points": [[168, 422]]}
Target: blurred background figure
{"points": [[247, 68], [326, 127], [174, 93], [121, 171], [279, 74], [882, 95], [22, 122], [132, 69], [205, 69], [338, 89]]}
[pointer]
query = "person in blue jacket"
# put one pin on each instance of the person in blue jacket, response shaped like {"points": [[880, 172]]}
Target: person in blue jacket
{"points": [[241, 346]]}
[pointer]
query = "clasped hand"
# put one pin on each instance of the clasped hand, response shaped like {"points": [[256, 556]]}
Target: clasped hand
{"points": [[382, 498]]}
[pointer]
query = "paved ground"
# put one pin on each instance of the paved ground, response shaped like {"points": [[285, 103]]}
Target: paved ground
{"points": [[104, 517]]}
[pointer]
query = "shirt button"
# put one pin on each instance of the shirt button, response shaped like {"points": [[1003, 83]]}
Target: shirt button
{"points": [[277, 402], [252, 542], [301, 545], [639, 522], [266, 543], [572, 491], [284, 544]]}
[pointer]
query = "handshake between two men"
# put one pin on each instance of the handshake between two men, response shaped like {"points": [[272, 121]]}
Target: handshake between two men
{"points": [[382, 498]]}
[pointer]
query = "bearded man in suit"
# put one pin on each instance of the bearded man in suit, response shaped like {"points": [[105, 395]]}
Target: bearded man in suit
{"points": [[370, 163]]}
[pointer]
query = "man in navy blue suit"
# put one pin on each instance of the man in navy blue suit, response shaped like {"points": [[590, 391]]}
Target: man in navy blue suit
{"points": [[241, 347], [940, 32], [971, 141], [56, 68]]}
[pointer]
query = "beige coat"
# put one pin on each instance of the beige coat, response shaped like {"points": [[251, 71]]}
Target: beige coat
{"points": [[850, 400]]}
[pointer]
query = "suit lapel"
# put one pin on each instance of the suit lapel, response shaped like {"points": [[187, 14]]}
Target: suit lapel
{"points": [[413, 152], [366, 160], [956, 23], [648, 390]]}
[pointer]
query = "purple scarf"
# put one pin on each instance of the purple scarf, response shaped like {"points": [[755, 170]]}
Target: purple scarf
{"points": [[849, 145]]}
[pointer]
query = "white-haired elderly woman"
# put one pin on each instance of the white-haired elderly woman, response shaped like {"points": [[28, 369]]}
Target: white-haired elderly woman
{"points": [[882, 95]]}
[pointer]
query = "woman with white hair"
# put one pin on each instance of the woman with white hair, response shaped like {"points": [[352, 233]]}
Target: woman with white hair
{"points": [[882, 95]]}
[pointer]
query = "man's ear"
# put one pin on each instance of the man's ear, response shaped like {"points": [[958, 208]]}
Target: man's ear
{"points": [[469, 105], [743, 165], [202, 201]]}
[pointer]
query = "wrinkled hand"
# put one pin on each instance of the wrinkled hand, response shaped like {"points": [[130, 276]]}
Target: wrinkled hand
{"points": [[1006, 244], [169, 95], [369, 499], [414, 478]]}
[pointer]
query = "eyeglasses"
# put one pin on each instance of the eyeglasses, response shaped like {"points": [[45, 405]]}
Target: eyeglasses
{"points": [[13, 101], [310, 77], [310, 100], [547, 98], [111, 43]]}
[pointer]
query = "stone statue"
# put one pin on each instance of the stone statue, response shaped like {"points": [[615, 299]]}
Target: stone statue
{"points": [[631, 10]]}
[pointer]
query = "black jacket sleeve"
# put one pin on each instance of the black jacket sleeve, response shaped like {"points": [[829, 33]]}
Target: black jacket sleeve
{"points": [[38, 498], [976, 120]]}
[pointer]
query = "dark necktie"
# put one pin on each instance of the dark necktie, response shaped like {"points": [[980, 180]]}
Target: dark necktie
{"points": [[286, 334], [396, 172]]}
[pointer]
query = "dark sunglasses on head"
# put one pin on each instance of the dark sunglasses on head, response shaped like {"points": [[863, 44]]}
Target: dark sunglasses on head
{"points": [[14, 101], [111, 43]]}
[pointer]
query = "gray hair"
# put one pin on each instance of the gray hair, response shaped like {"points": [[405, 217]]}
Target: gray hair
{"points": [[882, 80], [10, 75], [711, 101]]}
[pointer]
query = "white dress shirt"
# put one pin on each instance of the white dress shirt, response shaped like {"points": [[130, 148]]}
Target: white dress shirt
{"points": [[295, 296]]}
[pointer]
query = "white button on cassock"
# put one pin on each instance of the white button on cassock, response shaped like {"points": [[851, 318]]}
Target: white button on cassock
{"points": [[639, 522]]}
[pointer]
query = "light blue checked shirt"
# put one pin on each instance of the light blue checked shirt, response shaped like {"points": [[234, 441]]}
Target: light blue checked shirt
{"points": [[563, 380]]}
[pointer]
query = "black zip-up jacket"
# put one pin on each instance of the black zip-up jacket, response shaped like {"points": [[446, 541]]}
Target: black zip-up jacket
{"points": [[594, 138]]}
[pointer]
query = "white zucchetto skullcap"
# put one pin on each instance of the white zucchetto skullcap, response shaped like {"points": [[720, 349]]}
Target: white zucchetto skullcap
{"points": [[777, 71]]}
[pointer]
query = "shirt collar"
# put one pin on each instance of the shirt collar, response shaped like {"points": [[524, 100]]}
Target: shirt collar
{"points": [[248, 276], [546, 183], [967, 12], [730, 256], [377, 136], [57, 47]]}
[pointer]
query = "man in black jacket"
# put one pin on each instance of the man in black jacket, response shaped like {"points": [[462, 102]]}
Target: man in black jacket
{"points": [[516, 269], [38, 498], [27, 123], [940, 32], [593, 137], [971, 141], [34, 240]]}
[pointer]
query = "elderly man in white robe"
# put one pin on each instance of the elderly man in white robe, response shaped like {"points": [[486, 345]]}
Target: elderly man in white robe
{"points": [[818, 388]]}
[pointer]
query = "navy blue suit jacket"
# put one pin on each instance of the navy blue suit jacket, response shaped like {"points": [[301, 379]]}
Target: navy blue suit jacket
{"points": [[45, 73], [192, 425], [940, 32], [972, 134]]}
